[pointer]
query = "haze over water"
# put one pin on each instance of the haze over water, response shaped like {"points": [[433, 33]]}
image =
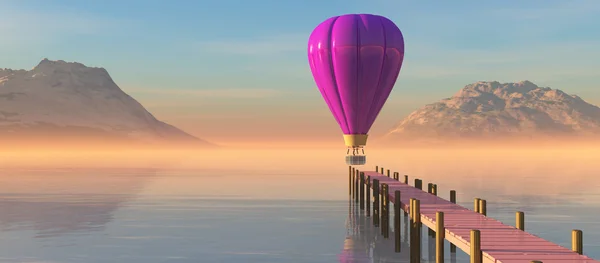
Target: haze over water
{"points": [[275, 205]]}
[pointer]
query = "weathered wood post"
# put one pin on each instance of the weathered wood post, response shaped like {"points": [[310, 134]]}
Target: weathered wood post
{"points": [[376, 168], [362, 191], [385, 211], [375, 202], [430, 232], [536, 261], [452, 200], [349, 180], [476, 256], [381, 170], [352, 183], [388, 172], [439, 237], [415, 245], [434, 190], [419, 184], [356, 185], [406, 178], [368, 196], [396, 176], [577, 241], [476, 205], [397, 209], [520, 220], [483, 207]]}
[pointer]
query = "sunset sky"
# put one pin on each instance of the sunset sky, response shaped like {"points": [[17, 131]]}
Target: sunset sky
{"points": [[236, 70]]}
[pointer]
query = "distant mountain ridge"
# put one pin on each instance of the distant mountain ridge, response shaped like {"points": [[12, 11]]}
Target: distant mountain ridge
{"points": [[493, 109], [58, 98]]}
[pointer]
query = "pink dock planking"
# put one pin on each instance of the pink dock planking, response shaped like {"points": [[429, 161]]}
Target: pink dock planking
{"points": [[500, 243]]}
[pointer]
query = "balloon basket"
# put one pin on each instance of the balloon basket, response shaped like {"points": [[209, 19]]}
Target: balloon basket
{"points": [[356, 159]]}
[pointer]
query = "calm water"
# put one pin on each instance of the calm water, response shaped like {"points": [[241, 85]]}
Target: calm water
{"points": [[270, 210]]}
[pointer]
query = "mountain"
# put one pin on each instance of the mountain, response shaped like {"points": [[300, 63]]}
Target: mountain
{"points": [[500, 110], [58, 99]]}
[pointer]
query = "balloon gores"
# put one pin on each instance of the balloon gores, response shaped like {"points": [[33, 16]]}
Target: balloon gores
{"points": [[355, 60]]}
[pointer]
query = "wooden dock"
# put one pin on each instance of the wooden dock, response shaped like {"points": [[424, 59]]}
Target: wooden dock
{"points": [[485, 239]]}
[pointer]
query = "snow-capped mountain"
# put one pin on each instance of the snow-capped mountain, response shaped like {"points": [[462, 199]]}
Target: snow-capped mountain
{"points": [[58, 97]]}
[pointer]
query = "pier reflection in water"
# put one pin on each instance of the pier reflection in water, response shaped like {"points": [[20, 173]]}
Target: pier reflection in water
{"points": [[364, 242]]}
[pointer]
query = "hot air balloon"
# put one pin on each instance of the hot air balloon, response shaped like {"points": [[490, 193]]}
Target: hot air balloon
{"points": [[355, 60]]}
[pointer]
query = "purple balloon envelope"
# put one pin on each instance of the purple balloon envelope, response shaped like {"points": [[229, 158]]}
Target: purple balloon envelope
{"points": [[355, 60]]}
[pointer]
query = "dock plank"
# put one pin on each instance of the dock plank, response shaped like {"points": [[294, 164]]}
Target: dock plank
{"points": [[500, 243]]}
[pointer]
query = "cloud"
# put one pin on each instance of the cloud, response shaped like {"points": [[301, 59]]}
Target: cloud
{"points": [[20, 26], [240, 93], [548, 61], [267, 45]]}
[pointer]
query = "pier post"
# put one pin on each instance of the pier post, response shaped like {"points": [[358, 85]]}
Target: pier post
{"points": [[381, 170], [350, 180], [430, 232], [375, 202], [368, 196], [406, 178], [352, 183], [434, 190], [536, 261], [376, 168], [388, 172], [577, 241], [356, 185], [439, 237], [452, 200], [430, 188], [483, 207], [397, 209], [415, 244], [520, 220], [362, 191], [385, 211], [419, 184], [396, 176], [476, 205], [476, 256]]}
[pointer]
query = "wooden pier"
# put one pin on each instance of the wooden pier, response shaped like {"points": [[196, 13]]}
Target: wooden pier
{"points": [[484, 239]]}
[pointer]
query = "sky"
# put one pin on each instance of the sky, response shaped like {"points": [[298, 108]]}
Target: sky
{"points": [[234, 71]]}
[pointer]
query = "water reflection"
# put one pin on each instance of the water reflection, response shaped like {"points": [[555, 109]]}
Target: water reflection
{"points": [[365, 244], [53, 202]]}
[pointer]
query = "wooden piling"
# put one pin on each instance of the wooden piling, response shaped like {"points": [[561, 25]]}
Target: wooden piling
{"points": [[406, 178], [376, 168], [388, 172], [483, 207], [397, 209], [577, 241], [520, 220], [352, 183], [536, 261], [368, 196], [434, 190], [452, 200], [476, 256], [385, 211], [415, 245], [419, 184], [376, 202], [439, 237], [396, 176], [356, 185], [430, 188], [476, 205], [381, 170], [350, 180], [362, 190]]}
